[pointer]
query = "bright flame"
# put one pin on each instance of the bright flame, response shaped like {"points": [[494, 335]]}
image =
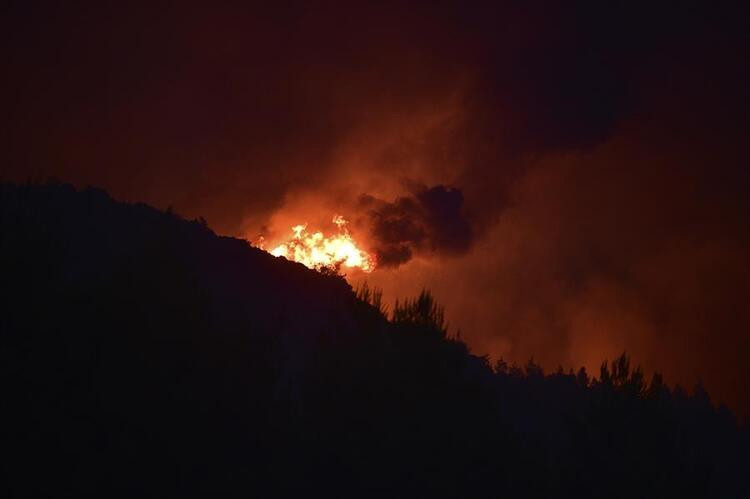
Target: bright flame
{"points": [[315, 250]]}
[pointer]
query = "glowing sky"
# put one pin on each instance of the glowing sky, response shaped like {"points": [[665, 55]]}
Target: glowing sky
{"points": [[570, 180]]}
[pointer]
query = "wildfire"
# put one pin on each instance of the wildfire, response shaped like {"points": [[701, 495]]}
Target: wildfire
{"points": [[315, 250]]}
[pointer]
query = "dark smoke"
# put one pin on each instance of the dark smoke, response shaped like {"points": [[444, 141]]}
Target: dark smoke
{"points": [[430, 220], [597, 152]]}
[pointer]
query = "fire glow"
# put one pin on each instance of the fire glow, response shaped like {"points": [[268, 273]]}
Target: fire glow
{"points": [[315, 250]]}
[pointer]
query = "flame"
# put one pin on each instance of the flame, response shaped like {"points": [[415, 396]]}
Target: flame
{"points": [[315, 250]]}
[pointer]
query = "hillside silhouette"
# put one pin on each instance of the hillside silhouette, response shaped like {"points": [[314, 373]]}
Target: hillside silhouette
{"points": [[143, 355]]}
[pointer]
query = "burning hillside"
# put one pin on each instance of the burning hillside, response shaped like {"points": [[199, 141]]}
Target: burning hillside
{"points": [[316, 250]]}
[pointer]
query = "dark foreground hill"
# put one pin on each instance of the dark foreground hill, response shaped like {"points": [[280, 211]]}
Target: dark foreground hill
{"points": [[142, 355]]}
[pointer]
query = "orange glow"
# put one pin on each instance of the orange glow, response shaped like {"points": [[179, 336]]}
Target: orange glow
{"points": [[315, 250]]}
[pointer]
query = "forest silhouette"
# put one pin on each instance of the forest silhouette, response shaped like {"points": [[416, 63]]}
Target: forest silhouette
{"points": [[144, 355]]}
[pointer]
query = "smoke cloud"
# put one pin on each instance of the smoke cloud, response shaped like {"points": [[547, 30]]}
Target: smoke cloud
{"points": [[430, 221], [569, 178]]}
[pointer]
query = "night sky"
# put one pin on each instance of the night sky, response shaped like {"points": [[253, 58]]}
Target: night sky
{"points": [[570, 179]]}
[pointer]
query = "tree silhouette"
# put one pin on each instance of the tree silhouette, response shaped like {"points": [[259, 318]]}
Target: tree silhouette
{"points": [[140, 354], [423, 312]]}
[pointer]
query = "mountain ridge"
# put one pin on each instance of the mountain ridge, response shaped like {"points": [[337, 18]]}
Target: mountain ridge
{"points": [[144, 355]]}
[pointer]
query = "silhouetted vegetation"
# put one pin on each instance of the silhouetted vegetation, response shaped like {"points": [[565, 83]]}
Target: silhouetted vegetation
{"points": [[142, 355]]}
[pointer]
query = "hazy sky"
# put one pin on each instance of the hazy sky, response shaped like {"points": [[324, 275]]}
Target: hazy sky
{"points": [[570, 179]]}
